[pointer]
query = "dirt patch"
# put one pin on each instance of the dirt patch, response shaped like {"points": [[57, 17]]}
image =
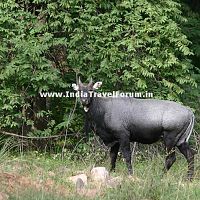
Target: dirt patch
{"points": [[3, 196], [12, 183]]}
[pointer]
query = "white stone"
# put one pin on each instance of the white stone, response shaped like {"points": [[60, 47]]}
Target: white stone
{"points": [[83, 177], [99, 174]]}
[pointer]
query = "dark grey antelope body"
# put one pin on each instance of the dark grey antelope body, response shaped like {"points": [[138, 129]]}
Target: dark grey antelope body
{"points": [[119, 121]]}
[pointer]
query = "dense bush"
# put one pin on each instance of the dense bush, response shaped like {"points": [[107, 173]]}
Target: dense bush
{"points": [[191, 28], [130, 45]]}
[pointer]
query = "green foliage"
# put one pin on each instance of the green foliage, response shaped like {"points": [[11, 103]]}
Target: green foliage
{"points": [[129, 45], [192, 30], [136, 45]]}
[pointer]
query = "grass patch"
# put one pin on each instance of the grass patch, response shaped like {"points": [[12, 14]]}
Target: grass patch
{"points": [[37, 176]]}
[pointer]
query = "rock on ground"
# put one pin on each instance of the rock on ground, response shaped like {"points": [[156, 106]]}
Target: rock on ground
{"points": [[79, 184], [79, 180], [99, 174]]}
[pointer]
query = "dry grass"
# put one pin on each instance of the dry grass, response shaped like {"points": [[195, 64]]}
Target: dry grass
{"points": [[40, 177]]}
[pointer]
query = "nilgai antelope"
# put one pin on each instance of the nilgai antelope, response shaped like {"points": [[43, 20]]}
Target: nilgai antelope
{"points": [[119, 121]]}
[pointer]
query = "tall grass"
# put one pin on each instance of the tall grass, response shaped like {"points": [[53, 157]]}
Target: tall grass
{"points": [[148, 183], [6, 145]]}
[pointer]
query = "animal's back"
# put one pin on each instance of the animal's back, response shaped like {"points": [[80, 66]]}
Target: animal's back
{"points": [[145, 119]]}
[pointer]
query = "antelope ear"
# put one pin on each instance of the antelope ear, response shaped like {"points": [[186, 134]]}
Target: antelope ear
{"points": [[75, 87], [97, 85]]}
